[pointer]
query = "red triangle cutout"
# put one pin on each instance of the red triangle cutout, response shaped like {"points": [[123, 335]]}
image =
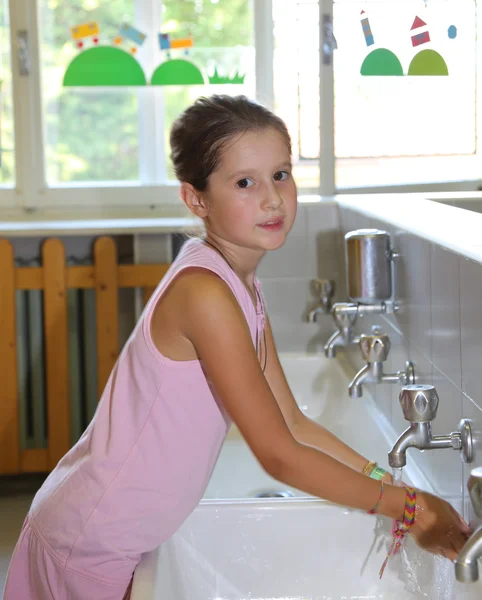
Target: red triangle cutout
{"points": [[362, 12], [418, 23]]}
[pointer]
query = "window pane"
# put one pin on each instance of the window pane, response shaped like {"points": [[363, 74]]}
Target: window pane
{"points": [[296, 83], [7, 155], [101, 134], [223, 36], [91, 134], [393, 97]]}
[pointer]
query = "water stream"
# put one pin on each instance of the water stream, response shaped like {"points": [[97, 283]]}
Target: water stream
{"points": [[397, 476]]}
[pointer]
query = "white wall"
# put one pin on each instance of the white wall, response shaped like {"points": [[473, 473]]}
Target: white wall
{"points": [[285, 274], [440, 330]]}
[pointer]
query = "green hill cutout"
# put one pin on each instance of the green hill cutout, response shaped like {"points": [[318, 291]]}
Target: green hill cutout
{"points": [[381, 62], [428, 62], [104, 66], [177, 72]]}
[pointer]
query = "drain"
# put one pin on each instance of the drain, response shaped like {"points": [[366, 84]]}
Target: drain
{"points": [[275, 494]]}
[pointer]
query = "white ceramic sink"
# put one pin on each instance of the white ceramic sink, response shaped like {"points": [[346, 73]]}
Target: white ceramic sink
{"points": [[301, 549]]}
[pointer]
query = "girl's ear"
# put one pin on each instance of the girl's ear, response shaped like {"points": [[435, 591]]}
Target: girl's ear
{"points": [[194, 200]]}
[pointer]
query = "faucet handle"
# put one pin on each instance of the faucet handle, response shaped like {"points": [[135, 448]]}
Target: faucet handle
{"points": [[324, 289], [419, 403], [375, 347], [345, 314], [474, 485]]}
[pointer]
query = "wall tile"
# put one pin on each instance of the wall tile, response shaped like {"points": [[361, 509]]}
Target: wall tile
{"points": [[413, 289], [287, 301], [472, 412], [323, 235], [446, 339], [291, 260], [471, 327]]}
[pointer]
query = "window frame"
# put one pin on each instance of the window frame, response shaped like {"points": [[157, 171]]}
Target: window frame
{"points": [[30, 191]]}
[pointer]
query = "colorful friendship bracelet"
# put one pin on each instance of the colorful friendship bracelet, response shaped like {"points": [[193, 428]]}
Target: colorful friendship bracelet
{"points": [[400, 529]]}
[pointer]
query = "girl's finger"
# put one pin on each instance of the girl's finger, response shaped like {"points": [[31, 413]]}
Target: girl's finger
{"points": [[449, 553]]}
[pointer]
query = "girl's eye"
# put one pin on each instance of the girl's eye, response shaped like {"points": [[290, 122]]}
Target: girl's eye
{"points": [[281, 176], [244, 183]]}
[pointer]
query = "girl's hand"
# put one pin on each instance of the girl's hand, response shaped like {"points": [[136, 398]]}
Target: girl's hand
{"points": [[438, 528]]}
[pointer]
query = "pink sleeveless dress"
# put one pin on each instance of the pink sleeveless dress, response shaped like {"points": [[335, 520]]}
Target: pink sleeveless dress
{"points": [[140, 468]]}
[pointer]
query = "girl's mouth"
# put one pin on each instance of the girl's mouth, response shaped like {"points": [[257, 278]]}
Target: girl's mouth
{"points": [[273, 224]]}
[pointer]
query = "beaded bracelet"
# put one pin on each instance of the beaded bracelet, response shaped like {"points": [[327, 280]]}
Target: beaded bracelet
{"points": [[400, 529], [374, 509]]}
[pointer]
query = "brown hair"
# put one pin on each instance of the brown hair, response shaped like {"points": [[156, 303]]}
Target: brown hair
{"points": [[201, 132]]}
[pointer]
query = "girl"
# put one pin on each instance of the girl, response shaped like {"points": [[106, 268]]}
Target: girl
{"points": [[201, 355]]}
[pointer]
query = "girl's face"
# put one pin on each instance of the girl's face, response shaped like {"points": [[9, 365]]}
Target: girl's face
{"points": [[251, 197]]}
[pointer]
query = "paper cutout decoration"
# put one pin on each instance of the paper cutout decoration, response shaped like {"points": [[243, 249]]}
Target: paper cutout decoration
{"points": [[418, 23], [381, 62], [104, 66], [114, 66], [132, 34], [166, 43], [428, 62], [422, 37], [84, 31], [216, 78], [452, 32], [177, 72], [367, 32]]}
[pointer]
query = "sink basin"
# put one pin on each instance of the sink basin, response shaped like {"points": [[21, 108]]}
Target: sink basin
{"points": [[300, 549]]}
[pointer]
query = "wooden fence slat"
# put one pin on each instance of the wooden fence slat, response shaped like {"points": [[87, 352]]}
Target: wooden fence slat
{"points": [[107, 309], [147, 293], [9, 425], [141, 275], [55, 278], [83, 277], [56, 349], [29, 278], [35, 460]]}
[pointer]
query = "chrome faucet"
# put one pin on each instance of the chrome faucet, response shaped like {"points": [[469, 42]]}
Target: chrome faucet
{"points": [[419, 404], [375, 349], [466, 567], [345, 315], [325, 291]]}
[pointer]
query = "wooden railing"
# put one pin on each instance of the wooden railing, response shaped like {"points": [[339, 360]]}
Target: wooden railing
{"points": [[54, 277]]}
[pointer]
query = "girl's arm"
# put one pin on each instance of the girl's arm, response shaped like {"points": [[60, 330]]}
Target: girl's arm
{"points": [[214, 323], [304, 429]]}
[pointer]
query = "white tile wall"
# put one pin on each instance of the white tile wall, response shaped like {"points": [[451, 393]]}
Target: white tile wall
{"points": [[440, 330], [311, 251]]}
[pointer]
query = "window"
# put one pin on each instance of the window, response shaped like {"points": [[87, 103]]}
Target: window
{"points": [[81, 145], [297, 83], [108, 134], [7, 138], [407, 125]]}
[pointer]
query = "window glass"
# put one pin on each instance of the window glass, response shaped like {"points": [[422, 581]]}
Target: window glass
{"points": [[223, 38], [101, 133], [296, 83], [405, 86], [7, 155]]}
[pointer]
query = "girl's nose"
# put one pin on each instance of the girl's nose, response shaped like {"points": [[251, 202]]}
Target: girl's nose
{"points": [[273, 199]]}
